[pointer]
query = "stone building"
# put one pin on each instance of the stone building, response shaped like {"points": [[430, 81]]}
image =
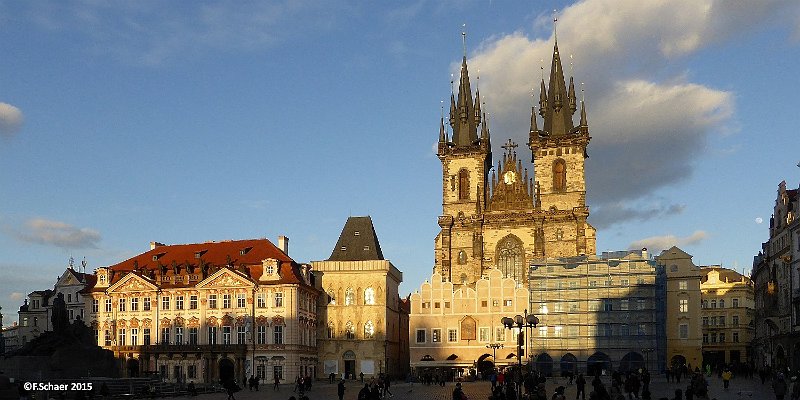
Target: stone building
{"points": [[363, 323], [727, 314], [683, 300], [207, 312], [777, 286], [35, 313], [506, 219]]}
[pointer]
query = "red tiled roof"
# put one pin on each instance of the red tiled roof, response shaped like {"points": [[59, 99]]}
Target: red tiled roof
{"points": [[238, 254]]}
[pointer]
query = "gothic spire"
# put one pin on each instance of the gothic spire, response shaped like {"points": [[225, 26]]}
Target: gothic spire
{"points": [[462, 112], [557, 120], [583, 114], [442, 132], [542, 99], [485, 129], [534, 126], [571, 96]]}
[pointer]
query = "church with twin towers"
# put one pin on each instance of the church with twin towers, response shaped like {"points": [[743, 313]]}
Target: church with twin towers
{"points": [[517, 241]]}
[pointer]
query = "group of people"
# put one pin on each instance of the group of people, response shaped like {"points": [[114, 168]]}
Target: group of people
{"points": [[375, 389]]}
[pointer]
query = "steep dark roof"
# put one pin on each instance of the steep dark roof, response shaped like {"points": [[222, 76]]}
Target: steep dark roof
{"points": [[357, 242]]}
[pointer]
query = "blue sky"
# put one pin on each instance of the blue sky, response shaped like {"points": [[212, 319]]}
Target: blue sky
{"points": [[123, 123]]}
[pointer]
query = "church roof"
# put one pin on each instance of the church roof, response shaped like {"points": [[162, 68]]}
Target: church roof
{"points": [[357, 242]]}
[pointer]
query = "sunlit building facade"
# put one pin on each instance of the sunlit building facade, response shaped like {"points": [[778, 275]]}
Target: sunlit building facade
{"points": [[727, 315]]}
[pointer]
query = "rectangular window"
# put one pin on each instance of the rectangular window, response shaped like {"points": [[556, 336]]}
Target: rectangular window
{"points": [[684, 305], [683, 330], [705, 321], [713, 304], [607, 330], [495, 303], [108, 338], [262, 334], [212, 301], [713, 321], [165, 303], [240, 300], [121, 337], [607, 305], [573, 330], [95, 305], [500, 334], [484, 303], [146, 304], [226, 301], [135, 304], [278, 334], [179, 335], [212, 335], [705, 338], [591, 330], [436, 304], [452, 335], [735, 303], [277, 371], [722, 337], [226, 335], [736, 337], [193, 302], [574, 306], [624, 330], [191, 371], [179, 302], [713, 338], [436, 335], [735, 320], [722, 320], [146, 337], [594, 305], [624, 282], [122, 304], [108, 305], [420, 335], [241, 336], [279, 299], [623, 304], [557, 330], [165, 335], [446, 304], [683, 285], [573, 285], [508, 303], [592, 283], [483, 334], [558, 307], [543, 331], [641, 304], [642, 330], [134, 336], [262, 300]]}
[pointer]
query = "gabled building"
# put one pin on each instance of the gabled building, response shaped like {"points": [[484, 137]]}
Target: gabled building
{"points": [[207, 312], [363, 324], [683, 301], [727, 314]]}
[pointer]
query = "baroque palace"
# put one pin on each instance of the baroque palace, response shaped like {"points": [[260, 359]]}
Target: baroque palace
{"points": [[514, 244]]}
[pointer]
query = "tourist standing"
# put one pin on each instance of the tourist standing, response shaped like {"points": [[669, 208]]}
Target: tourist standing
{"points": [[340, 389], [779, 387], [580, 383]]}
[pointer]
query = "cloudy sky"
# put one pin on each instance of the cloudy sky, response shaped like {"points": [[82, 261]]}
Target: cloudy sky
{"points": [[123, 123]]}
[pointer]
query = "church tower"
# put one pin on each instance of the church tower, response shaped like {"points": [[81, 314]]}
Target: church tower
{"points": [[558, 152], [466, 158], [499, 217]]}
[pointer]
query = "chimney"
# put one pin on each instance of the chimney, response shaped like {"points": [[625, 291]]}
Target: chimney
{"points": [[644, 253], [153, 245], [283, 244]]}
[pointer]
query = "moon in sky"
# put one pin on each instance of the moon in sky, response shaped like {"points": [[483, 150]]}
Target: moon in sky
{"points": [[759, 220]]}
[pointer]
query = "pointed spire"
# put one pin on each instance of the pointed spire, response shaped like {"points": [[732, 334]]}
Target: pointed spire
{"points": [[534, 126], [571, 97], [442, 132], [583, 115], [462, 113], [485, 129], [557, 121], [542, 99], [525, 182]]}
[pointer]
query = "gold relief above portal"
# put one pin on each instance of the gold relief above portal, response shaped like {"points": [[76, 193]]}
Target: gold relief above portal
{"points": [[511, 188]]}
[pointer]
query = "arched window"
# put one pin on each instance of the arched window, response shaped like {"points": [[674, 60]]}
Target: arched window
{"points": [[369, 296], [511, 258], [349, 330], [349, 297], [331, 331], [463, 184], [559, 175], [369, 330]]}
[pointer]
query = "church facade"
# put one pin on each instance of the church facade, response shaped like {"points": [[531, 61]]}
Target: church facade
{"points": [[506, 218]]}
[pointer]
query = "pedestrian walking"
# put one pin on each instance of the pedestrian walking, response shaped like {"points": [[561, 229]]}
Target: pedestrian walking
{"points": [[779, 387], [340, 389], [726, 378], [580, 383]]}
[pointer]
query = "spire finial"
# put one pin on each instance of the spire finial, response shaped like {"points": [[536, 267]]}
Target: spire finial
{"points": [[571, 66], [555, 25], [464, 38], [452, 89]]}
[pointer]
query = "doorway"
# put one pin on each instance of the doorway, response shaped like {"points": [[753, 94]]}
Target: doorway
{"points": [[226, 370]]}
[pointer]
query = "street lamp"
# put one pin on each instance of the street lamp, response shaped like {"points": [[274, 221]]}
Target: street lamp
{"points": [[494, 347], [529, 320]]}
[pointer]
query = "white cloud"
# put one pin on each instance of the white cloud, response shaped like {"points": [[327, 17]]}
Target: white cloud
{"points": [[648, 121], [59, 234], [16, 296], [656, 244], [10, 119]]}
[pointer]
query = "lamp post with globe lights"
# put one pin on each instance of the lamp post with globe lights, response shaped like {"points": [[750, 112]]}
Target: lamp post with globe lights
{"points": [[519, 321]]}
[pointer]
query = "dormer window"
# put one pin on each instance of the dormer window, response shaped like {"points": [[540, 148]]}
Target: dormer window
{"points": [[270, 269], [344, 248], [197, 254], [357, 233], [155, 258], [244, 251], [366, 248]]}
